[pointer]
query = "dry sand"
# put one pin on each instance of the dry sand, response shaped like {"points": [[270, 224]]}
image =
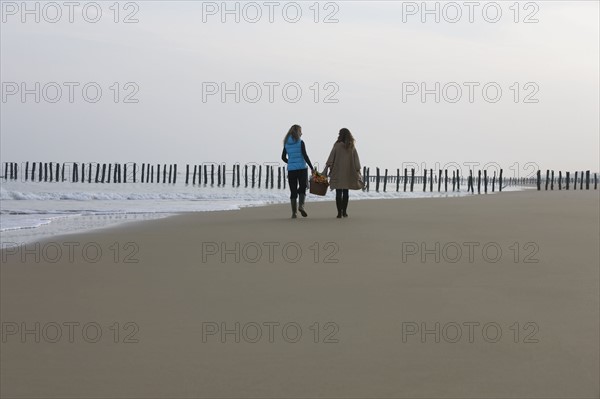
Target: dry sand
{"points": [[180, 292]]}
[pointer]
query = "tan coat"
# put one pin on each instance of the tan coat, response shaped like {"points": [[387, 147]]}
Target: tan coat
{"points": [[344, 167]]}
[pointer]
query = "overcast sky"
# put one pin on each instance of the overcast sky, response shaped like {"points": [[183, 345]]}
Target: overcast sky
{"points": [[366, 72]]}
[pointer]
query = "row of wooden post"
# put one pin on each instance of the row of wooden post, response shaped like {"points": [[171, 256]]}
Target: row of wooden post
{"points": [[578, 177], [253, 176], [150, 173], [429, 179]]}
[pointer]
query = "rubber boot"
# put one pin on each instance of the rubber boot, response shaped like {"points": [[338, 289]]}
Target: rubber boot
{"points": [[301, 205], [344, 207], [338, 203], [293, 201]]}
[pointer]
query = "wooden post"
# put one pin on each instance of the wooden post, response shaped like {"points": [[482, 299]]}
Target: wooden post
{"points": [[587, 179], [259, 174], [238, 175], [440, 181], [470, 183], [575, 181], [405, 178], [412, 179], [33, 164], [212, 175], [6, 171], [144, 173], [205, 174], [253, 175], [485, 181], [218, 175], [397, 180], [272, 175], [431, 180], [134, 172], [494, 182], [97, 173], [567, 180], [368, 181], [175, 173], [385, 181], [50, 174], [187, 174], [267, 174], [539, 180], [453, 181], [547, 178], [581, 181], [377, 181], [89, 173], [224, 169], [552, 181], [45, 171], [26, 170], [479, 181], [559, 180], [446, 180], [595, 182], [424, 180], [284, 173], [279, 177]]}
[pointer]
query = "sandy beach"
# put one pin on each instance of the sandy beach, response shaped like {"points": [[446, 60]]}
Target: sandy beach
{"points": [[481, 297]]}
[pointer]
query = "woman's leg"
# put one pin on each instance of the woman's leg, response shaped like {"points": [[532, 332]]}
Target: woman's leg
{"points": [[338, 202], [302, 180], [345, 199], [293, 183]]}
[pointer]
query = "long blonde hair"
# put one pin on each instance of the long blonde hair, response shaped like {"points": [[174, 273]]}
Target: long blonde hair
{"points": [[295, 132]]}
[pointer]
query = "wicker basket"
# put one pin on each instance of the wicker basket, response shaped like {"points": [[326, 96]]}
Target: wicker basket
{"points": [[318, 188]]}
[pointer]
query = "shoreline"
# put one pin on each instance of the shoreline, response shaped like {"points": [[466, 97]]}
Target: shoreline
{"points": [[55, 227]]}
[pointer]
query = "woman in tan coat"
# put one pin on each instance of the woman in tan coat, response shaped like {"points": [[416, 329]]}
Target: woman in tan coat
{"points": [[344, 170]]}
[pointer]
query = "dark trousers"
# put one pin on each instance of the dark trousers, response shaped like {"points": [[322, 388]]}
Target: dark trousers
{"points": [[341, 194], [297, 180]]}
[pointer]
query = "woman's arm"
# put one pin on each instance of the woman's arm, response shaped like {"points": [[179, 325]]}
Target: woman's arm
{"points": [[284, 155], [305, 155]]}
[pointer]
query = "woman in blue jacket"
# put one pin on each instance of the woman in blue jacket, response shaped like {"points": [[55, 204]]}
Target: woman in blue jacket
{"points": [[294, 154]]}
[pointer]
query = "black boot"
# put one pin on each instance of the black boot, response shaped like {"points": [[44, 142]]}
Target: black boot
{"points": [[338, 203], [301, 207], [344, 206], [293, 201]]}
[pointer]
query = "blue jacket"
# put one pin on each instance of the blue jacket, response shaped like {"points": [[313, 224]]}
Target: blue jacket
{"points": [[295, 157]]}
